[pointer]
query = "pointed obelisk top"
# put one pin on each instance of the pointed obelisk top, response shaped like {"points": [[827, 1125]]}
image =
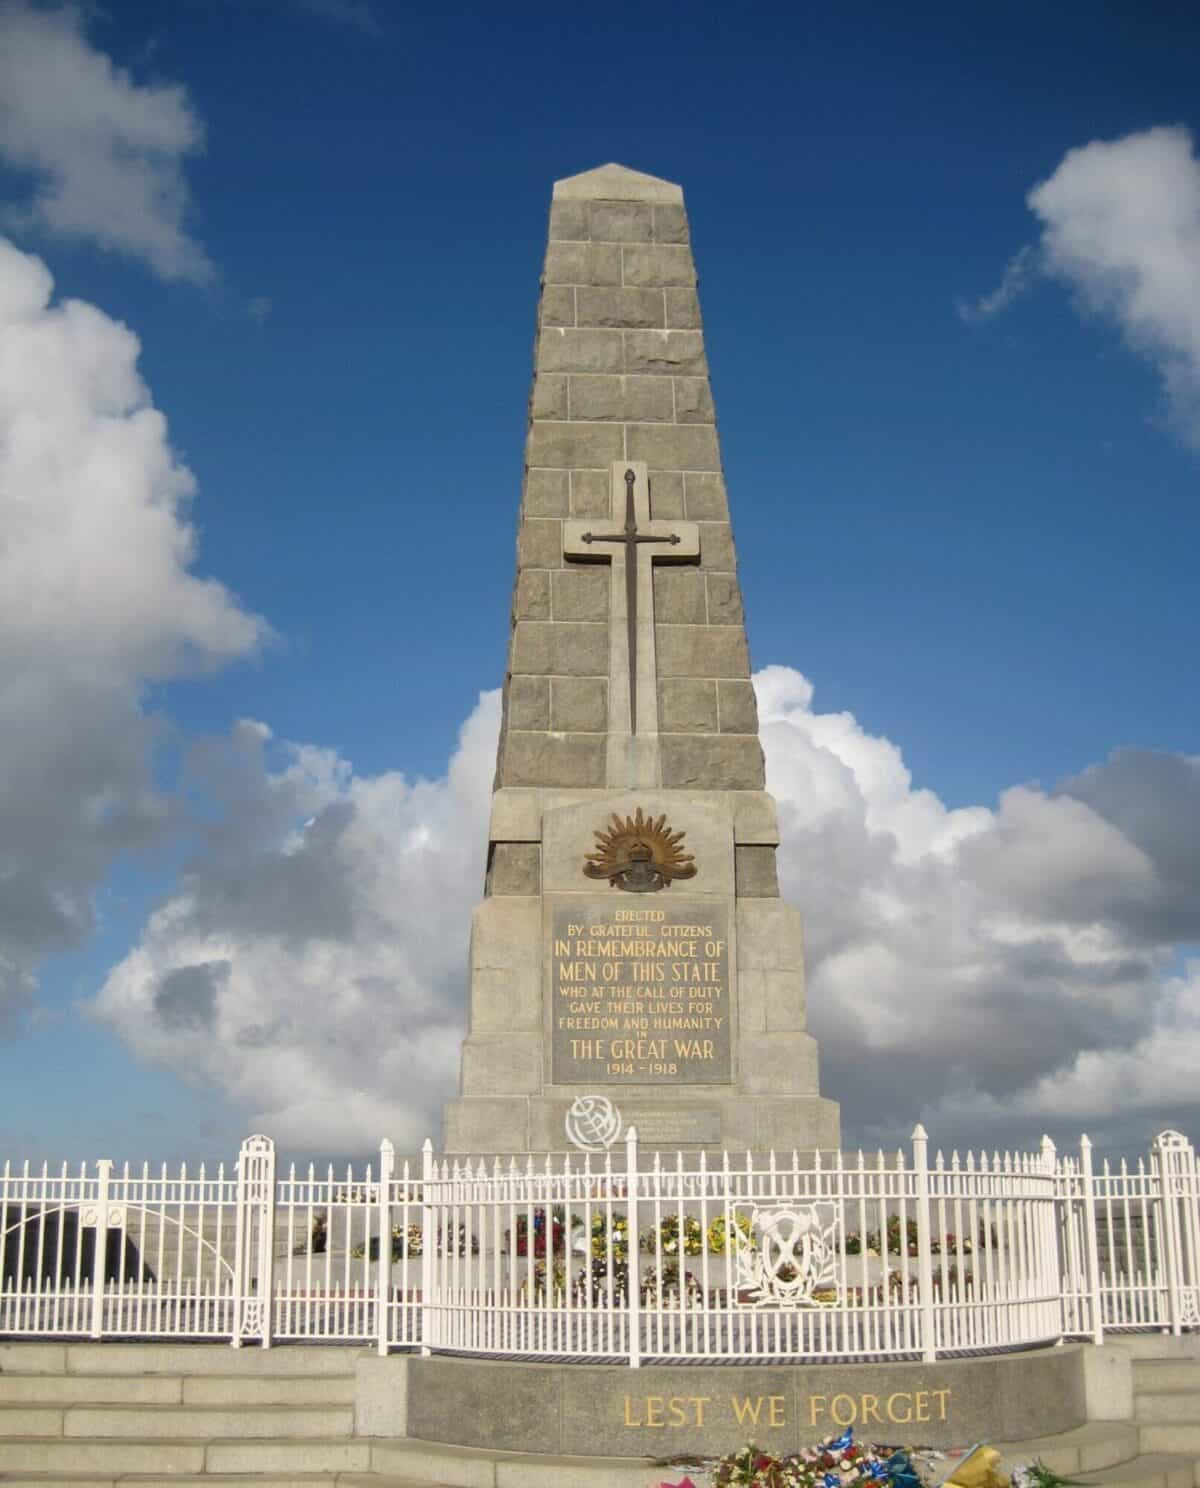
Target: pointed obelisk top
{"points": [[614, 182]]}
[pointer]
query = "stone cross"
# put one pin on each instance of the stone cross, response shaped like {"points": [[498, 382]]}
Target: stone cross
{"points": [[632, 544]]}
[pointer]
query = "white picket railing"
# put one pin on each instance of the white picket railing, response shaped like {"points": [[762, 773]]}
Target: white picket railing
{"points": [[617, 1256]]}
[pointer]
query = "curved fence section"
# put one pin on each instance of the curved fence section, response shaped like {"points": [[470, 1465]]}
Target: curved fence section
{"points": [[616, 1255]]}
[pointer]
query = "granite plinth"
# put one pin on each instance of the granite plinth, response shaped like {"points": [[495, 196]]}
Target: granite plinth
{"points": [[661, 1409]]}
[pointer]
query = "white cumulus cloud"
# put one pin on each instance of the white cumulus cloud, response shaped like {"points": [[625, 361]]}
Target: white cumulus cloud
{"points": [[97, 598], [1121, 226], [105, 153]]}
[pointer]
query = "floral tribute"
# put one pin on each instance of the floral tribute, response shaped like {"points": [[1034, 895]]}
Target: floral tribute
{"points": [[843, 1463], [838, 1463]]}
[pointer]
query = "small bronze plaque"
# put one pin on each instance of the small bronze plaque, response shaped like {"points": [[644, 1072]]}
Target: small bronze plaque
{"points": [[640, 996]]}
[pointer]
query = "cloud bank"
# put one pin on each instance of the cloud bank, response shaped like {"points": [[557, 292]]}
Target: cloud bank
{"points": [[313, 965], [105, 153], [97, 599], [994, 972]]}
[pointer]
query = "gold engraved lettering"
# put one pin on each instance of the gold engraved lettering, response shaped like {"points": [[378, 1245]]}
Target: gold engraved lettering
{"points": [[838, 1412], [745, 1409], [942, 1397], [816, 1407], [628, 1420], [654, 1410], [775, 1410], [870, 1409], [922, 1405], [906, 1418], [641, 999]]}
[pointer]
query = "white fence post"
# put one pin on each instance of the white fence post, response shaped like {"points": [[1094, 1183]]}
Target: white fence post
{"points": [[1091, 1240], [254, 1245], [633, 1283], [1176, 1163], [104, 1169], [429, 1239], [383, 1266], [1050, 1261], [920, 1141]]}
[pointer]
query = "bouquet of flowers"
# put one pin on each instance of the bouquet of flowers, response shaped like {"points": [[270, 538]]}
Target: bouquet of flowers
{"points": [[837, 1463]]}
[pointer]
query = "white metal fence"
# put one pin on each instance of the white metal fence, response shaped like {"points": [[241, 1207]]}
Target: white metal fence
{"points": [[616, 1256]]}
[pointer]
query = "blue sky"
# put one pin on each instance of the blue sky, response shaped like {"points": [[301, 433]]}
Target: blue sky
{"points": [[972, 527]]}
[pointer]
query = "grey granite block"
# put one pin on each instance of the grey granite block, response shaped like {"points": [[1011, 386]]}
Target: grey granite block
{"points": [[580, 592], [529, 702], [580, 349], [687, 705], [679, 596], [572, 444], [620, 307], [620, 222], [705, 498], [515, 868], [547, 493], [700, 651], [674, 446], [579, 704], [659, 265], [673, 353], [707, 762], [532, 598]]}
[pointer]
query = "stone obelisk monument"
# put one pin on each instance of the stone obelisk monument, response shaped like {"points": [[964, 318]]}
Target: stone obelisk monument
{"points": [[632, 943]]}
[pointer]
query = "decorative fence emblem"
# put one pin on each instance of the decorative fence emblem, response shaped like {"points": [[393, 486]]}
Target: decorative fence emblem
{"points": [[593, 1123], [790, 1256]]}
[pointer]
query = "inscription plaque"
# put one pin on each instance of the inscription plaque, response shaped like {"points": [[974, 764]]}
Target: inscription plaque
{"points": [[671, 1128], [640, 996]]}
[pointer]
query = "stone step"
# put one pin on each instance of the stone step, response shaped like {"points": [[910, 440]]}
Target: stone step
{"points": [[175, 1460], [283, 1457], [207, 1422], [33, 1358], [412, 1462], [1166, 1405], [1166, 1374], [1086, 1449], [95, 1389], [23, 1456], [235, 1389], [1152, 1470], [203, 1358], [1172, 1436], [229, 1390]]}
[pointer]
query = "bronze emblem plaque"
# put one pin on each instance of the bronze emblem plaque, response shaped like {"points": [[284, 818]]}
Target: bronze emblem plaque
{"points": [[640, 995], [640, 855]]}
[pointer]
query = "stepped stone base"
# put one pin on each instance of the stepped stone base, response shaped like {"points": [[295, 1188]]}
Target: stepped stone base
{"points": [[197, 1413]]}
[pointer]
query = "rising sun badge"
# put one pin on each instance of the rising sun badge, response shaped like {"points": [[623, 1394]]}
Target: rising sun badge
{"points": [[640, 854]]}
